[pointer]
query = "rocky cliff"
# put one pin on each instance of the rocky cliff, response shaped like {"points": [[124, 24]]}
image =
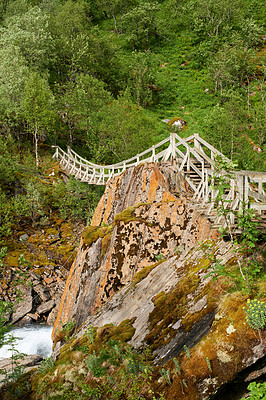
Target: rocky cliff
{"points": [[141, 275], [145, 214]]}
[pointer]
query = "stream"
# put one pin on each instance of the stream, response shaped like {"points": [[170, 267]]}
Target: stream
{"points": [[30, 339]]}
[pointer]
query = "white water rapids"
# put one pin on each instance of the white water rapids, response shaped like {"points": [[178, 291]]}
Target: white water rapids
{"points": [[31, 339]]}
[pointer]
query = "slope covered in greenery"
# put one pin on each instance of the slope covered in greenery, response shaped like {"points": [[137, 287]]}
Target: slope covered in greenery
{"points": [[101, 75]]}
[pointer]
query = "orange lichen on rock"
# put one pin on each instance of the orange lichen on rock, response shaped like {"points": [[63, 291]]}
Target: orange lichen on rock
{"points": [[69, 295], [144, 221], [156, 181], [105, 204], [167, 196]]}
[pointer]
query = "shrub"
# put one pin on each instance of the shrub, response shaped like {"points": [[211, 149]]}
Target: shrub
{"points": [[257, 391], [256, 314]]}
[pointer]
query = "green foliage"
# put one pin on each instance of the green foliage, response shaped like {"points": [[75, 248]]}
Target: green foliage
{"points": [[187, 351], [74, 199], [208, 363], [257, 391], [17, 370], [116, 9], [89, 332], [29, 32], [177, 366], [256, 314], [232, 66], [142, 77], [93, 363], [46, 366], [248, 268], [140, 25], [68, 329], [124, 131], [166, 375], [184, 383], [5, 309], [13, 77], [37, 108]]}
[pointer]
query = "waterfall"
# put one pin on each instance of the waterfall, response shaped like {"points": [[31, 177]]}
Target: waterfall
{"points": [[30, 339]]}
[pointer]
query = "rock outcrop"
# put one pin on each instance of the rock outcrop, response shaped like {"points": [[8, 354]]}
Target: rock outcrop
{"points": [[142, 275], [35, 269], [27, 362], [144, 215]]}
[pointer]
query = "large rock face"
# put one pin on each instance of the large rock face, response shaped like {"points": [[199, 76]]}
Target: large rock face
{"points": [[142, 217], [143, 268]]}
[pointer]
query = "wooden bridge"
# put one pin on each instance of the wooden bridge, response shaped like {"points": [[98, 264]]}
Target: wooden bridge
{"points": [[194, 158]]}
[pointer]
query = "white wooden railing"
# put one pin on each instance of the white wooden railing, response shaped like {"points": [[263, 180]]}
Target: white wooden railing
{"points": [[193, 157]]}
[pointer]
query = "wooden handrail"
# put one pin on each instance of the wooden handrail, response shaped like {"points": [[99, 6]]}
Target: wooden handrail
{"points": [[194, 164]]}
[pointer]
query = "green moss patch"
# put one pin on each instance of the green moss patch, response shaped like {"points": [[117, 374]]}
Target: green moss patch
{"points": [[128, 214], [92, 233], [169, 308], [123, 332], [142, 274]]}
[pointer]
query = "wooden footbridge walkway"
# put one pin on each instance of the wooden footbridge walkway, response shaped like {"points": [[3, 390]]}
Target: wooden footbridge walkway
{"points": [[194, 158]]}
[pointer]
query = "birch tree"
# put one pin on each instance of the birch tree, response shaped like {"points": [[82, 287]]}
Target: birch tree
{"points": [[37, 109]]}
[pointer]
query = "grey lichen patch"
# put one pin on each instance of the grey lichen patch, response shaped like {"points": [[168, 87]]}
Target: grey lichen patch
{"points": [[223, 356]]}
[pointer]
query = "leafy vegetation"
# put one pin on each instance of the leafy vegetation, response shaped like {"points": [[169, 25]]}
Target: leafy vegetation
{"points": [[257, 391], [100, 76], [110, 368], [256, 314], [249, 268]]}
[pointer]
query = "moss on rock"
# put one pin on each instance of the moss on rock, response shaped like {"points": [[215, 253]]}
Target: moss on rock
{"points": [[92, 233], [144, 272]]}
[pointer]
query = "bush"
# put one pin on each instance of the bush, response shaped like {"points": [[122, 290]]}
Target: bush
{"points": [[257, 391]]}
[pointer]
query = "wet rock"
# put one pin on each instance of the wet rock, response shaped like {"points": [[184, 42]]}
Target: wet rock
{"points": [[42, 291], [48, 281], [26, 320], [45, 307], [32, 316], [52, 316], [25, 304], [28, 362]]}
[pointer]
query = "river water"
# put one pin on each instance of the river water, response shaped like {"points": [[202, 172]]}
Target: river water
{"points": [[31, 339]]}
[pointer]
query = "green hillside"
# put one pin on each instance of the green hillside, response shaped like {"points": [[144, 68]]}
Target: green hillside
{"points": [[101, 76]]}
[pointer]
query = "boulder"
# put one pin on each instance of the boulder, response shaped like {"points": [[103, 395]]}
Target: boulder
{"points": [[142, 222], [28, 362], [25, 304], [42, 291], [45, 307]]}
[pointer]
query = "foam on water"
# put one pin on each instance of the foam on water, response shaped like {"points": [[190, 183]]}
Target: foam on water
{"points": [[31, 339]]}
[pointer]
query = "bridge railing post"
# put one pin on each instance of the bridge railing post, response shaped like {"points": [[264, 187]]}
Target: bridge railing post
{"points": [[56, 154], [153, 154], [246, 187], [173, 148], [196, 141], [240, 190]]}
